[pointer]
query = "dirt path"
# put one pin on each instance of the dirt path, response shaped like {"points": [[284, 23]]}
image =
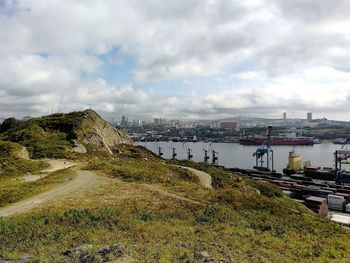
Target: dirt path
{"points": [[84, 181], [55, 165], [204, 178], [58, 164]]}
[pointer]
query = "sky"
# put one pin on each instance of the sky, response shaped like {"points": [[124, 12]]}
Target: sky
{"points": [[183, 59]]}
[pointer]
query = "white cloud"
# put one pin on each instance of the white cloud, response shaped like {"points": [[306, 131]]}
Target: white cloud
{"points": [[268, 55]]}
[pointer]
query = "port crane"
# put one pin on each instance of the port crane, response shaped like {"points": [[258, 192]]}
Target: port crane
{"points": [[341, 157], [215, 158], [174, 154], [189, 154], [160, 152], [264, 154], [206, 155]]}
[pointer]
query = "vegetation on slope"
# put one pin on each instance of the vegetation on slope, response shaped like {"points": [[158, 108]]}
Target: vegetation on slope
{"points": [[12, 191], [13, 168], [237, 221], [53, 136], [11, 164], [45, 137], [40, 143]]}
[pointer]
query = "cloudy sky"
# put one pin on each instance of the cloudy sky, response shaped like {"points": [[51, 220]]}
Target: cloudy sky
{"points": [[187, 59]]}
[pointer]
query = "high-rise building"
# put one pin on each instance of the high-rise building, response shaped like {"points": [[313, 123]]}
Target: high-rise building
{"points": [[309, 116], [284, 116], [159, 121], [124, 122]]}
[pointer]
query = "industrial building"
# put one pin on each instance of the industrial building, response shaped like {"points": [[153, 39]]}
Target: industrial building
{"points": [[228, 125]]}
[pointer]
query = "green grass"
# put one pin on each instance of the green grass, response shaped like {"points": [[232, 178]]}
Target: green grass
{"points": [[240, 220], [12, 165], [136, 164], [172, 178], [40, 143], [223, 179], [13, 190], [45, 137], [177, 233]]}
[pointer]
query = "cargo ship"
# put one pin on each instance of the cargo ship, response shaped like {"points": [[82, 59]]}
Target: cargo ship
{"points": [[340, 141], [278, 141]]}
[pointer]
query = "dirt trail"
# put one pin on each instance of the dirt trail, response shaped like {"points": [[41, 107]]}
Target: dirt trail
{"points": [[58, 164], [55, 165], [84, 181], [204, 178]]}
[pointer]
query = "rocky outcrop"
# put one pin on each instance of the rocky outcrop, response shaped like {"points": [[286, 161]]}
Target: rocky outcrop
{"points": [[80, 128], [96, 131], [23, 153], [87, 254]]}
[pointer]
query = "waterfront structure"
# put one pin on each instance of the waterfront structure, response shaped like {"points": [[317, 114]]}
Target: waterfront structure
{"points": [[214, 125]]}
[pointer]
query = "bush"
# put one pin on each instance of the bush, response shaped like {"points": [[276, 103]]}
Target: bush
{"points": [[266, 189], [214, 214]]}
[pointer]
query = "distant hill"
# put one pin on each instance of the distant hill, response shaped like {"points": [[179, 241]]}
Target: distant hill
{"points": [[58, 134]]}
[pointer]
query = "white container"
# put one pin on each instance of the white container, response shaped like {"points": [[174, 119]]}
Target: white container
{"points": [[336, 203], [335, 207], [347, 208], [335, 197]]}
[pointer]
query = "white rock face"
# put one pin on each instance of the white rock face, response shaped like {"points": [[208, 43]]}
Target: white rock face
{"points": [[79, 148], [96, 131]]}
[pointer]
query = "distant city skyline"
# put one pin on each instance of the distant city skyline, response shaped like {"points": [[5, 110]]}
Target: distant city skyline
{"points": [[197, 59], [130, 118]]}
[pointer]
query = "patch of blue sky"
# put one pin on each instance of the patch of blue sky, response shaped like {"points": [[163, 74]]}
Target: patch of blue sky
{"points": [[118, 72], [116, 68], [8, 7], [43, 54]]}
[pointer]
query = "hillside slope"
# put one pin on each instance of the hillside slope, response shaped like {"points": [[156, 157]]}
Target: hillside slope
{"points": [[132, 206], [55, 135], [150, 210]]}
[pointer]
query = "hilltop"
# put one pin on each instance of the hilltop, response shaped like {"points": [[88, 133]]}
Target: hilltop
{"points": [[58, 134], [132, 206]]}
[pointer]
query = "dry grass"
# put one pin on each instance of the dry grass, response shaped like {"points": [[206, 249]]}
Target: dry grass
{"points": [[14, 189], [233, 222]]}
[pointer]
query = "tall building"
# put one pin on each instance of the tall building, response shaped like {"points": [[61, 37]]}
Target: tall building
{"points": [[284, 116], [124, 122], [159, 121], [309, 116]]}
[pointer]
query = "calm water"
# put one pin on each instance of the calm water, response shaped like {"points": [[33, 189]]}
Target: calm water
{"points": [[236, 155]]}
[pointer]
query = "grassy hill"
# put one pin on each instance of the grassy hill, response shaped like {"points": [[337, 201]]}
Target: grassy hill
{"points": [[13, 167], [53, 136], [140, 208], [237, 221], [12, 164]]}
